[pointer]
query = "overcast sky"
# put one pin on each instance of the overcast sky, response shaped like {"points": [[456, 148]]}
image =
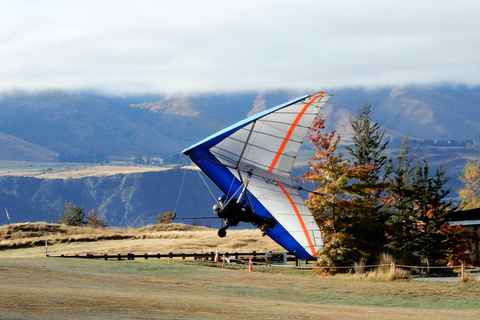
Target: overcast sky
{"points": [[125, 47]]}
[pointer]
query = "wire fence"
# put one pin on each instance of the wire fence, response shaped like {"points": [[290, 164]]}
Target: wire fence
{"points": [[265, 258]]}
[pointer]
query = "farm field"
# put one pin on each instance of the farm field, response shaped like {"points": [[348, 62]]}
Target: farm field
{"points": [[59, 170], [33, 286]]}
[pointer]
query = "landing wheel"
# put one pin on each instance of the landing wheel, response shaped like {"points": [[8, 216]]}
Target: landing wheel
{"points": [[222, 232]]}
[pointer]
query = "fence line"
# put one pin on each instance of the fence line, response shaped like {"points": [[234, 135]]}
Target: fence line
{"points": [[236, 256], [244, 257]]}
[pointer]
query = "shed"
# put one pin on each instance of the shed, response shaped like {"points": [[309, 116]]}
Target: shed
{"points": [[470, 220]]}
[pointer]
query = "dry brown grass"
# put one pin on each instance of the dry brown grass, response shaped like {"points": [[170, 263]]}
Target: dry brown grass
{"points": [[387, 270], [78, 170], [165, 238]]}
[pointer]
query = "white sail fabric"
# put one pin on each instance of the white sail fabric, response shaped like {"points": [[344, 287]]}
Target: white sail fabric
{"points": [[267, 148], [270, 144]]}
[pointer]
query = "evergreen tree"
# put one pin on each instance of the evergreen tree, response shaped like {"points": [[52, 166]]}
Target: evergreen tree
{"points": [[367, 153], [418, 212], [431, 212], [72, 216], [368, 146], [397, 203]]}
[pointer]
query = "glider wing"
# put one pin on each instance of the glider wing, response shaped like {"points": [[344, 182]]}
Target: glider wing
{"points": [[264, 147]]}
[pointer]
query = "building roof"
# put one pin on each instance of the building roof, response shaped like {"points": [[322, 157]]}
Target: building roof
{"points": [[466, 217]]}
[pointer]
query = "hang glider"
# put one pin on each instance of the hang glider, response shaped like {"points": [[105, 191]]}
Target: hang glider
{"points": [[261, 151]]}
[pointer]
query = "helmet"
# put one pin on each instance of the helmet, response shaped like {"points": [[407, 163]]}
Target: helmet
{"points": [[216, 208], [222, 198]]}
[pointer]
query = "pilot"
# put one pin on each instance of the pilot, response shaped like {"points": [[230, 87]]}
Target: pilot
{"points": [[234, 212]]}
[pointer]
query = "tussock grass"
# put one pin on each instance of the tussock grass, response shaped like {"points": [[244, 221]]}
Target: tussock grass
{"points": [[470, 277], [30, 234], [384, 272], [164, 238], [387, 274]]}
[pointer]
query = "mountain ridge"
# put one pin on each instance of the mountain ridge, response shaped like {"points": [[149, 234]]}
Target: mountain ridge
{"points": [[76, 123]]}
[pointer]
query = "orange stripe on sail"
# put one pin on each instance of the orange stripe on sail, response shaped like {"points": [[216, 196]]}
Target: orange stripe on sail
{"points": [[290, 131], [300, 219]]}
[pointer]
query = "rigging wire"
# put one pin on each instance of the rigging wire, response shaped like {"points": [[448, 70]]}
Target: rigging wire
{"points": [[205, 193], [211, 193], [180, 192]]}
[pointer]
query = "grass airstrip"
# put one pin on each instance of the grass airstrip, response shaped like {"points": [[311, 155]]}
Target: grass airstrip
{"points": [[33, 286]]}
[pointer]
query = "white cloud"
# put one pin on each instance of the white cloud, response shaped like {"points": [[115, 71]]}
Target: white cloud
{"points": [[189, 46]]}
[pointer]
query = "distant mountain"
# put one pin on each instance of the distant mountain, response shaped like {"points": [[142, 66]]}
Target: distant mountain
{"points": [[437, 113], [74, 123], [16, 149], [184, 120]]}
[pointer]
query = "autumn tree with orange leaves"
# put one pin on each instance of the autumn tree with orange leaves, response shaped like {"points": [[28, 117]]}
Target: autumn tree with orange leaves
{"points": [[470, 193], [340, 201]]}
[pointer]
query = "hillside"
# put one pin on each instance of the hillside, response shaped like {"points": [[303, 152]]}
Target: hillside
{"points": [[74, 123], [17, 150], [123, 199]]}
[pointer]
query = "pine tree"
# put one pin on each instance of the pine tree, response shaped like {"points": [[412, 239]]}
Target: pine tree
{"points": [[397, 203], [367, 153], [431, 212], [72, 216], [419, 212], [368, 145]]}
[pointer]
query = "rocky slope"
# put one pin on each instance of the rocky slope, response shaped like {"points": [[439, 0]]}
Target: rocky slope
{"points": [[123, 200]]}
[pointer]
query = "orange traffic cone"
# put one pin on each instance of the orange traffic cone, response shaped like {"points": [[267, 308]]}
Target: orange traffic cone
{"points": [[168, 260], [250, 266], [216, 255]]}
